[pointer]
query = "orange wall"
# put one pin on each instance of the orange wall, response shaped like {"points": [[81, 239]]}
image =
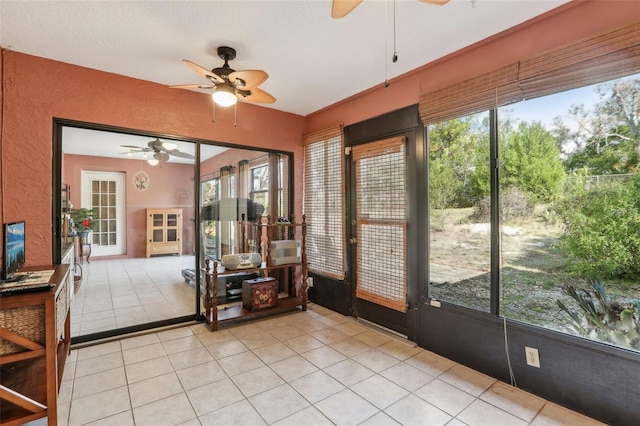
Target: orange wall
{"points": [[36, 90], [571, 22]]}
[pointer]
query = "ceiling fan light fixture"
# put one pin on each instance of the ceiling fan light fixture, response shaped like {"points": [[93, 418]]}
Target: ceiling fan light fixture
{"points": [[224, 96], [169, 146], [153, 162]]}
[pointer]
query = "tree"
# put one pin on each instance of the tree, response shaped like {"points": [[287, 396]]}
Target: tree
{"points": [[606, 139], [530, 161], [456, 154]]}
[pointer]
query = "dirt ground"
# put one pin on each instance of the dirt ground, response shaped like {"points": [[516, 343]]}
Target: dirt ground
{"points": [[532, 269]]}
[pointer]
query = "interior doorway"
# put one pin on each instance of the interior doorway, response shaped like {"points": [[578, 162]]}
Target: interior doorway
{"points": [[124, 170], [105, 192]]}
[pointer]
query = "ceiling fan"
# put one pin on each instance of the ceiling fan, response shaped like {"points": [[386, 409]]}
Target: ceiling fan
{"points": [[230, 85], [162, 151], [342, 8]]}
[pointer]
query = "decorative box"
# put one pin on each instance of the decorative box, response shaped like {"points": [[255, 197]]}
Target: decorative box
{"points": [[259, 293]]}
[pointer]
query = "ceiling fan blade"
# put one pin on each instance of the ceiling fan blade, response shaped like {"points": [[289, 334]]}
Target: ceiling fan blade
{"points": [[256, 95], [132, 147], [181, 154], [192, 86], [161, 156], [250, 78], [436, 2], [341, 8], [203, 71]]}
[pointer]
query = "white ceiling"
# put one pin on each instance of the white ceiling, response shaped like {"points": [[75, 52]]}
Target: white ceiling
{"points": [[99, 143], [313, 60]]}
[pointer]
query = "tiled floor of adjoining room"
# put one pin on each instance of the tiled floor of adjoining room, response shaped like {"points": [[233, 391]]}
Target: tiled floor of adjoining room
{"points": [[124, 292], [303, 368]]}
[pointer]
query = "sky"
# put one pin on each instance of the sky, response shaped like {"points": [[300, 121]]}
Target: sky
{"points": [[546, 108]]}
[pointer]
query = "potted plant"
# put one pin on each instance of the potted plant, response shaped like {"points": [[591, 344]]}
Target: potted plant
{"points": [[85, 221]]}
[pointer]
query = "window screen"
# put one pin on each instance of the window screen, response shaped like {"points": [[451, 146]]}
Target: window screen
{"points": [[323, 202], [380, 169]]}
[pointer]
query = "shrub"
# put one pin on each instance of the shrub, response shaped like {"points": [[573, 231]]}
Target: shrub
{"points": [[602, 230], [513, 204], [601, 317]]}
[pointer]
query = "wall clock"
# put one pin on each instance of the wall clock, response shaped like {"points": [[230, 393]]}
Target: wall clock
{"points": [[141, 180]]}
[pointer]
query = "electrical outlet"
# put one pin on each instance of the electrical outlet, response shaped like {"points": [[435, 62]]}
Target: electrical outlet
{"points": [[533, 358], [309, 282]]}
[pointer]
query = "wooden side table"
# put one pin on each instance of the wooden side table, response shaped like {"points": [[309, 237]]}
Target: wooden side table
{"points": [[36, 337]]}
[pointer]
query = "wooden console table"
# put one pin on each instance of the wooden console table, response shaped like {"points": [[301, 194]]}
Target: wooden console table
{"points": [[35, 337]]}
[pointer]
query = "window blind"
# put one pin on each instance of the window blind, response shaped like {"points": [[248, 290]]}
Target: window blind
{"points": [[323, 201], [380, 169], [595, 59]]}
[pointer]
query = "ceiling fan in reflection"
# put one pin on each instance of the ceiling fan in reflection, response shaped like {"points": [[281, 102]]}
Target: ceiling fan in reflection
{"points": [[162, 151]]}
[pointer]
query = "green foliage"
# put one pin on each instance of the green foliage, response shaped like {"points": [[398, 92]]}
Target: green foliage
{"points": [[530, 161], [602, 230], [602, 318], [605, 140], [85, 219], [621, 158], [456, 151], [459, 172]]}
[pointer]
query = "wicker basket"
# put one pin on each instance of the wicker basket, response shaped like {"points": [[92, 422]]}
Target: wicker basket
{"points": [[26, 321], [62, 306]]}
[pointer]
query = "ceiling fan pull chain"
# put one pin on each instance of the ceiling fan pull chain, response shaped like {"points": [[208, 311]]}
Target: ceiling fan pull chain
{"points": [[235, 114], [386, 39], [213, 117], [394, 59]]}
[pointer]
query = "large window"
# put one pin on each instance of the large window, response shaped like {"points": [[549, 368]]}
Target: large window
{"points": [[567, 216], [260, 185], [562, 195], [571, 211]]}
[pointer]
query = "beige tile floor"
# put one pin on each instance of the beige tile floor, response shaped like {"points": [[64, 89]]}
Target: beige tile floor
{"points": [[125, 292], [303, 368]]}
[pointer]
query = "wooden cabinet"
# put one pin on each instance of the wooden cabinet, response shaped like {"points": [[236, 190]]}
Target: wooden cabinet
{"points": [[296, 277], [34, 344], [164, 231]]}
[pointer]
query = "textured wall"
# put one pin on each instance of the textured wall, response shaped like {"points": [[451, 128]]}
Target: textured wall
{"points": [[37, 90]]}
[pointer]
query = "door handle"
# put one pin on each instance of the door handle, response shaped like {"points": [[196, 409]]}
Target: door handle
{"points": [[353, 240]]}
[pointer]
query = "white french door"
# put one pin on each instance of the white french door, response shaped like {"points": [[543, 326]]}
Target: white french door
{"points": [[105, 191]]}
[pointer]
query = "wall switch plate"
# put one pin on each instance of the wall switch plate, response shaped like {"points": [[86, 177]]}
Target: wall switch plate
{"points": [[309, 282], [533, 358]]}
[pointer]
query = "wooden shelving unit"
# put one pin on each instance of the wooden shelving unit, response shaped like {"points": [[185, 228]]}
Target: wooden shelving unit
{"points": [[297, 285], [35, 338]]}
